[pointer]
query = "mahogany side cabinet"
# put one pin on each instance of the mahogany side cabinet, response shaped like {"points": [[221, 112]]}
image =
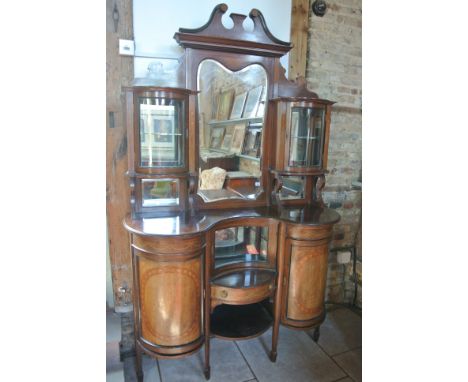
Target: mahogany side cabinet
{"points": [[229, 233]]}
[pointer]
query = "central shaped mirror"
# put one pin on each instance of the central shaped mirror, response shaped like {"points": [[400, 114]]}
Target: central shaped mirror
{"points": [[231, 110]]}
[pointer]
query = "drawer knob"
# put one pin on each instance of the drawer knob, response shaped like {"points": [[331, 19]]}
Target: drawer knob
{"points": [[223, 293]]}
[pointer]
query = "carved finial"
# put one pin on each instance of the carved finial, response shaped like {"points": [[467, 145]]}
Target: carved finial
{"points": [[319, 186], [238, 21], [222, 7]]}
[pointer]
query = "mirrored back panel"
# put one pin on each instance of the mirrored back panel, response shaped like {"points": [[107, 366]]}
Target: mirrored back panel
{"points": [[237, 245], [160, 192], [231, 120]]}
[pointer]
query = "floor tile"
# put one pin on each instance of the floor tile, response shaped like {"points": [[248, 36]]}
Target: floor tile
{"points": [[113, 357], [113, 327], [115, 376], [150, 370], [113, 364], [299, 359], [351, 362], [341, 331], [227, 365]]}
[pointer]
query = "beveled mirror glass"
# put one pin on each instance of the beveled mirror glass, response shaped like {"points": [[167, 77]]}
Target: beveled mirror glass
{"points": [[231, 111]]}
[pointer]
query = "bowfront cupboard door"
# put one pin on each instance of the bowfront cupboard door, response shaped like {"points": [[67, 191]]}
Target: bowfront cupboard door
{"points": [[162, 131], [302, 135], [169, 289], [306, 265], [306, 138]]}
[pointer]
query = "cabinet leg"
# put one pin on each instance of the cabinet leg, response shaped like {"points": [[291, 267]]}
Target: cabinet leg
{"points": [[139, 367], [274, 337], [273, 355], [207, 370], [276, 322], [316, 334]]}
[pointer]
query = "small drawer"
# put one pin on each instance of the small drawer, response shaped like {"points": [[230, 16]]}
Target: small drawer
{"points": [[241, 296], [225, 291]]}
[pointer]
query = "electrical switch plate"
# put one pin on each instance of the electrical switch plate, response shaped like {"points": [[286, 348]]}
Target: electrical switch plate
{"points": [[343, 257], [126, 47]]}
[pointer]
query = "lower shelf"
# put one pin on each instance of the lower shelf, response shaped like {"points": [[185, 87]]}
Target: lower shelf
{"points": [[240, 321]]}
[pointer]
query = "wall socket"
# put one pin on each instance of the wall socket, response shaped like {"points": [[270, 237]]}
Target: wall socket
{"points": [[126, 47], [343, 257]]}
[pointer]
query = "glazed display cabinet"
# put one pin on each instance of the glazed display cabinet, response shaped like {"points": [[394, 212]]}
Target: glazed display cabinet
{"points": [[229, 234]]}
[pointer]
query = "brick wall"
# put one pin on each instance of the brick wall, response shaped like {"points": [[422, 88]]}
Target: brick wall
{"points": [[334, 72]]}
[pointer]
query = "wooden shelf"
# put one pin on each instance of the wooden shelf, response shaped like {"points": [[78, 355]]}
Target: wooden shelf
{"points": [[248, 157], [238, 120], [237, 258], [248, 278]]}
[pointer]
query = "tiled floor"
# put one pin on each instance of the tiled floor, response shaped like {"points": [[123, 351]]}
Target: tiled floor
{"points": [[114, 368], [336, 357]]}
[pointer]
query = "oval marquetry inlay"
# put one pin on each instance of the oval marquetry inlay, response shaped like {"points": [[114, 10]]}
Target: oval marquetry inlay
{"points": [[308, 271], [170, 296]]}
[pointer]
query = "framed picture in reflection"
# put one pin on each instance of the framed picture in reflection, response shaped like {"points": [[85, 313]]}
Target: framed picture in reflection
{"points": [[252, 102], [238, 105], [224, 104], [217, 135], [252, 143], [163, 132], [237, 139]]}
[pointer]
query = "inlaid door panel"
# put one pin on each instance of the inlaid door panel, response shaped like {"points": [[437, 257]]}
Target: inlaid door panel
{"points": [[170, 301], [308, 266]]}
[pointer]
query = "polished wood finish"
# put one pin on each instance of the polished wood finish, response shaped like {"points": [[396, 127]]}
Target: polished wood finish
{"points": [[214, 36], [170, 295], [188, 225], [306, 264], [182, 296], [240, 183], [242, 287], [169, 285], [307, 278]]}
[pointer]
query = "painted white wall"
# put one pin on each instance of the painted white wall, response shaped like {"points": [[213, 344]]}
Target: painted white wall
{"points": [[156, 21]]}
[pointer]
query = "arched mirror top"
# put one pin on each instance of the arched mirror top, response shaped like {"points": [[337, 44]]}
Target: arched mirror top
{"points": [[231, 111]]}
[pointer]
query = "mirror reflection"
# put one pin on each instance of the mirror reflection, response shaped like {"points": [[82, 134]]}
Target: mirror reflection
{"points": [[240, 245], [231, 109], [293, 188], [160, 192]]}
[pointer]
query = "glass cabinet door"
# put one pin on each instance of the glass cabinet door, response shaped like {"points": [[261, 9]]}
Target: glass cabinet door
{"points": [[162, 132], [307, 136]]}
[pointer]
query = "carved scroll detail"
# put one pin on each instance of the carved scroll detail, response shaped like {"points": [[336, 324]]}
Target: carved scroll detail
{"points": [[277, 186], [319, 186], [213, 35]]}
